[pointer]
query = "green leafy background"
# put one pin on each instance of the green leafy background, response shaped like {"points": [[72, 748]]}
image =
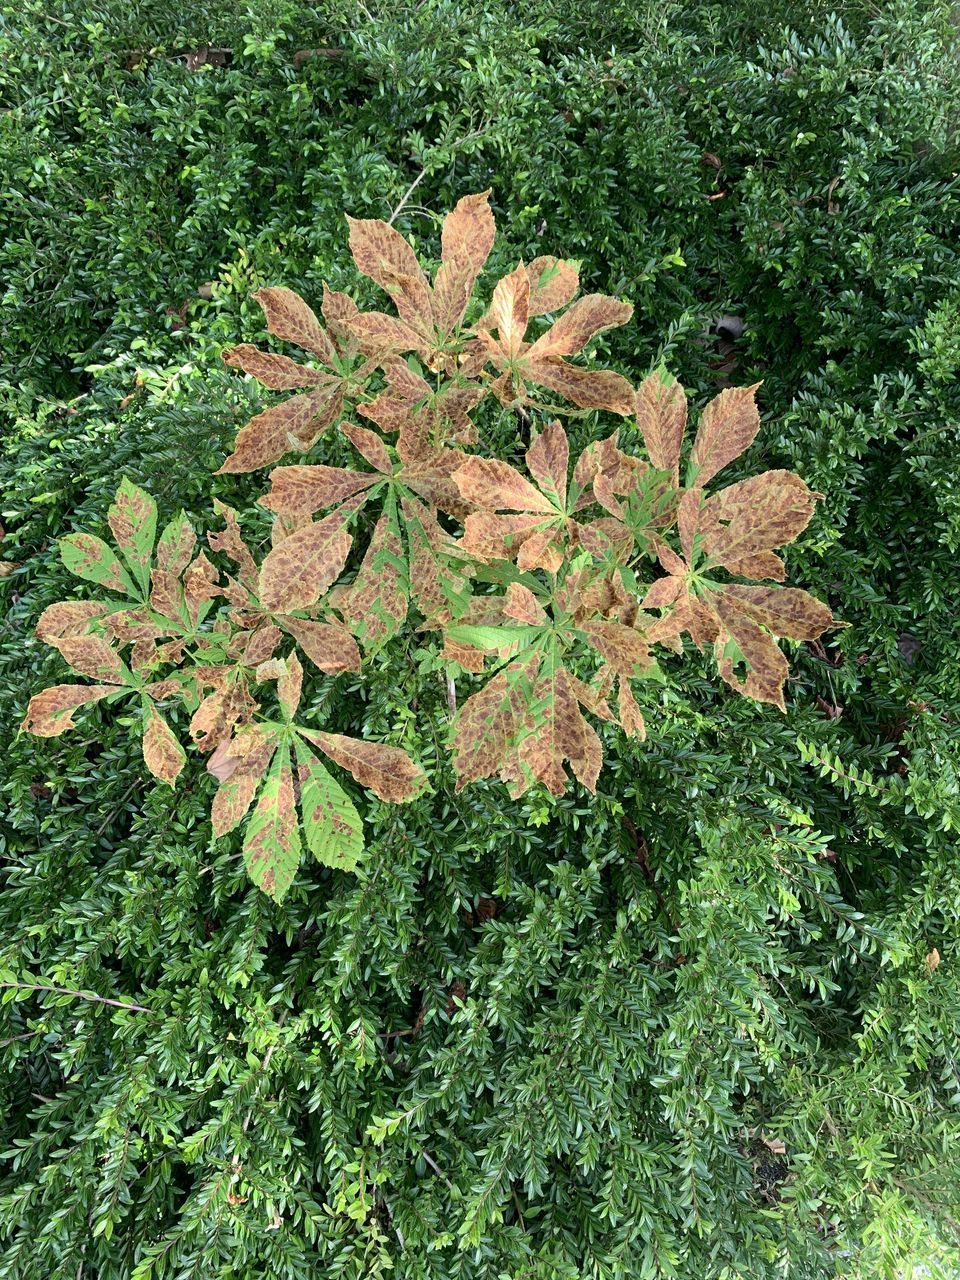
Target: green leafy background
{"points": [[694, 1027]]}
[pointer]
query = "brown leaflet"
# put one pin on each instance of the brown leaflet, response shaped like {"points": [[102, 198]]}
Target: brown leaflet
{"points": [[405, 392], [165, 594], [272, 847], [239, 765], [553, 282], [662, 420], [767, 668], [539, 551], [429, 472], [728, 425], [175, 546], [587, 317], [432, 581], [369, 445], [260, 645], [92, 656], [266, 437], [162, 753], [466, 240], [276, 373], [301, 490], [201, 582], [328, 645], [742, 523], [509, 312], [296, 573], [492, 537], [218, 714], [489, 721], [493, 485], [290, 319], [339, 310], [586, 388], [377, 603], [386, 771], [380, 335], [786, 611], [547, 461], [50, 712], [381, 253], [522, 605], [230, 542], [69, 618], [623, 648], [631, 718], [290, 686], [559, 733]]}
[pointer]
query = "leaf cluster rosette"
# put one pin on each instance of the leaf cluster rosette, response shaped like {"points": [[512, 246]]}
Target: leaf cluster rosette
{"points": [[543, 584]]}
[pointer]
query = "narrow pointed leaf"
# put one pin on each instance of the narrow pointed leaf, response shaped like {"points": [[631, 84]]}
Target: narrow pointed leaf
{"points": [[331, 824]]}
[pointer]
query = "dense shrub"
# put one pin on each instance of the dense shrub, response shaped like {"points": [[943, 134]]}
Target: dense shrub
{"points": [[702, 1024]]}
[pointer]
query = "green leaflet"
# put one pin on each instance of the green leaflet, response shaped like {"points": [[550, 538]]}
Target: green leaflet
{"points": [[133, 521], [272, 847], [331, 824], [89, 557]]}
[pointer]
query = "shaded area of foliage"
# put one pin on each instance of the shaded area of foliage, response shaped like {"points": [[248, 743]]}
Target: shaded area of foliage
{"points": [[535, 1037]]}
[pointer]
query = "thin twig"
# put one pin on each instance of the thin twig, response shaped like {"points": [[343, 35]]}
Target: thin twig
{"points": [[110, 816], [407, 194], [78, 995], [435, 1167]]}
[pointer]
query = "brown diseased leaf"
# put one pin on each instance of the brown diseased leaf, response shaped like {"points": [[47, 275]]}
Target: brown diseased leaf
{"points": [[662, 420], [558, 732], [162, 753], [370, 446], [509, 310], [381, 253], [587, 317], [547, 461], [92, 656], [69, 618], [289, 318], [302, 490], [278, 373], [466, 241], [50, 713], [553, 282], [728, 425], [267, 437], [377, 602], [489, 722], [328, 645], [522, 605], [493, 485], [297, 572], [238, 764], [587, 388], [386, 771], [742, 523], [290, 685]]}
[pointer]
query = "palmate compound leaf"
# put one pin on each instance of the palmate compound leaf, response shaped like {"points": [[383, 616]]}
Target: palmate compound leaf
{"points": [[735, 530], [526, 722], [429, 315], [168, 591], [501, 342], [322, 638], [277, 760], [295, 423], [534, 524], [409, 556], [50, 713]]}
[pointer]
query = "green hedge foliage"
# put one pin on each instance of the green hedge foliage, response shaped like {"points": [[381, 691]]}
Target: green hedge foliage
{"points": [[703, 1025]]}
